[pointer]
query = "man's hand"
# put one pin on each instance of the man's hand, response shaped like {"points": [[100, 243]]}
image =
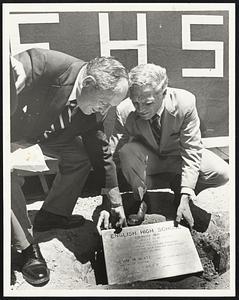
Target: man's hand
{"points": [[120, 215], [112, 202], [184, 211], [103, 221], [117, 214]]}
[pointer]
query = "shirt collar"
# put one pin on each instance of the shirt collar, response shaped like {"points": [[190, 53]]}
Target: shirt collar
{"points": [[161, 109], [170, 101], [76, 86]]}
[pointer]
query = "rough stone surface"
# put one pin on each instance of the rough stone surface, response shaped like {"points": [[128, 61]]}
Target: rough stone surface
{"points": [[71, 254]]}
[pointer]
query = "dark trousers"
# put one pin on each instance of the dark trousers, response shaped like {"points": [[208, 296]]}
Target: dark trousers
{"points": [[21, 227], [74, 168]]}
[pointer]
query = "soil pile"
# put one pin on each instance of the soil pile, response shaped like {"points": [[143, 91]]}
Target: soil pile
{"points": [[76, 261]]}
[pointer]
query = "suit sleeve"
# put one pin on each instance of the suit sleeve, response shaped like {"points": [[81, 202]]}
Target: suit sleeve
{"points": [[119, 137], [13, 91], [190, 147], [98, 149], [43, 65], [120, 134], [33, 62]]}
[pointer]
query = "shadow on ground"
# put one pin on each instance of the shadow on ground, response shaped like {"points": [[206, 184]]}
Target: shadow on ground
{"points": [[82, 241]]}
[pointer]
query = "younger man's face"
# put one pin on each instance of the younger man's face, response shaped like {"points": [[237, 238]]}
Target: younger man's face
{"points": [[147, 100]]}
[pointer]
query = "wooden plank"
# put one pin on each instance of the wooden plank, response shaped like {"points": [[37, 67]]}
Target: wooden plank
{"points": [[44, 183], [223, 153], [216, 142]]}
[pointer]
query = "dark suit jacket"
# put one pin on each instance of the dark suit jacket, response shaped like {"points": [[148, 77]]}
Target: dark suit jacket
{"points": [[50, 77], [13, 92]]}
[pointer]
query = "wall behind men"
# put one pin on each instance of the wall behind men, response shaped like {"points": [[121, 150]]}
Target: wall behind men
{"points": [[160, 37]]}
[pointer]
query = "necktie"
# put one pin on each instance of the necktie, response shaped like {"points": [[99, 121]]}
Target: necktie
{"points": [[63, 120], [156, 128]]}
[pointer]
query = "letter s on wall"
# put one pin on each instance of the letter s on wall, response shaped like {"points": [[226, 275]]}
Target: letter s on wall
{"points": [[187, 44]]}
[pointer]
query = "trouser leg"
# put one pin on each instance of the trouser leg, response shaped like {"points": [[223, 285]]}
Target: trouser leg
{"points": [[139, 165], [74, 168], [214, 171], [21, 227]]}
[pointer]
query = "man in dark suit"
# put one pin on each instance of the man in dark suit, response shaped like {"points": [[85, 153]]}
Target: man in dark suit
{"points": [[157, 131], [60, 107], [34, 268]]}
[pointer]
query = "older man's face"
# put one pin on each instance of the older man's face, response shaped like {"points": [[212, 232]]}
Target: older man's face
{"points": [[147, 100], [92, 100]]}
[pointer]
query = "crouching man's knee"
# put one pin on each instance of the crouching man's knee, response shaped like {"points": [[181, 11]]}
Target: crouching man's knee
{"points": [[223, 176], [132, 157], [133, 165], [126, 156]]}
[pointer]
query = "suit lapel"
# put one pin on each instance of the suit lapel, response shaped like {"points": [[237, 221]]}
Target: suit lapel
{"points": [[144, 128], [168, 119], [69, 76], [167, 122], [66, 83], [59, 94]]}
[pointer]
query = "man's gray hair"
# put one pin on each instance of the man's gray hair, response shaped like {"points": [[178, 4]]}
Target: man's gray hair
{"points": [[148, 74], [107, 72]]}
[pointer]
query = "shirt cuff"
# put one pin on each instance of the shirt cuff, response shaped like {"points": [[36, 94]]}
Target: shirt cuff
{"points": [[114, 196], [187, 190]]}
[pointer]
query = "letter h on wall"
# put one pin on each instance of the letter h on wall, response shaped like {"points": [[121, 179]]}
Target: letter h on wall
{"points": [[140, 44]]}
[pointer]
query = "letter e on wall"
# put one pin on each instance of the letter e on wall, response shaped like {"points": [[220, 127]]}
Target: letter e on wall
{"points": [[17, 19]]}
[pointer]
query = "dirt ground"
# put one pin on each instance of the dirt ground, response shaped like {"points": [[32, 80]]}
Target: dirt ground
{"points": [[76, 262]]}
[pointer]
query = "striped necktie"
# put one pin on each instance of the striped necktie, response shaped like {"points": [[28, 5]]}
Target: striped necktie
{"points": [[156, 127], [63, 120]]}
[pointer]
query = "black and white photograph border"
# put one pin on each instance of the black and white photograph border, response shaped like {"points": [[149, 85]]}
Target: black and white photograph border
{"points": [[208, 64]]}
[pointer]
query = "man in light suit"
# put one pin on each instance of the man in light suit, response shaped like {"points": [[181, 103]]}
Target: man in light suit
{"points": [[61, 102], [157, 131]]}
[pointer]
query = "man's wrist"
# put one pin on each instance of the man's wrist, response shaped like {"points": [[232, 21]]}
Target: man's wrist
{"points": [[106, 205], [187, 191], [113, 195], [116, 205]]}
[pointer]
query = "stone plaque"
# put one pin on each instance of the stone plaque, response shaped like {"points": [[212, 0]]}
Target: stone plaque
{"points": [[148, 252]]}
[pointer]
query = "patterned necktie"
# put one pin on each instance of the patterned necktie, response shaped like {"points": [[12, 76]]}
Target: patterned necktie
{"points": [[156, 128], [63, 120]]}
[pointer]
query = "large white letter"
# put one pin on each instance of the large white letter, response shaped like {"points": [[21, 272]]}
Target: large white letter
{"points": [[187, 44], [16, 19], [140, 44]]}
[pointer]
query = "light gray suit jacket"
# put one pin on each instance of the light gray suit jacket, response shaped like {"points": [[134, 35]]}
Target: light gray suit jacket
{"points": [[180, 132]]}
